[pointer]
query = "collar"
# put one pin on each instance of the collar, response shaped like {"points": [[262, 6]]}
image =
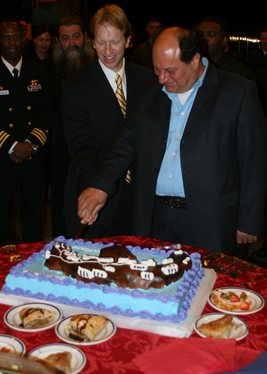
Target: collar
{"points": [[110, 74], [11, 67]]}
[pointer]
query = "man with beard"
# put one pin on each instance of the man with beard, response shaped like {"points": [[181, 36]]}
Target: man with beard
{"points": [[71, 53], [74, 49]]}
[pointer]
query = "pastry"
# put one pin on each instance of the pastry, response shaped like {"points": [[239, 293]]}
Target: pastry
{"points": [[34, 318], [219, 328], [59, 362], [86, 327], [231, 301]]}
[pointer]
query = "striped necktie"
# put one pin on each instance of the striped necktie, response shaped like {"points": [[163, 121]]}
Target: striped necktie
{"points": [[122, 102], [120, 94]]}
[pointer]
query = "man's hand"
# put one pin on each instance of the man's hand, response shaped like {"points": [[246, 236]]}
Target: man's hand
{"points": [[23, 151], [243, 238], [90, 202]]}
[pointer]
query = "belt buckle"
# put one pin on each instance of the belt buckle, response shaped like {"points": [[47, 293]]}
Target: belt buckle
{"points": [[177, 204]]}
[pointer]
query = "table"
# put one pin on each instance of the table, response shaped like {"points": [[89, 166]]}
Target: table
{"points": [[116, 355]]}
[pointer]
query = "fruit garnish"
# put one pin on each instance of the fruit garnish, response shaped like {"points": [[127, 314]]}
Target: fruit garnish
{"points": [[4, 349], [244, 305], [243, 295], [234, 298]]}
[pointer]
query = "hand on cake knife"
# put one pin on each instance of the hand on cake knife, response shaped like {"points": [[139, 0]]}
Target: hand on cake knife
{"points": [[82, 231]]}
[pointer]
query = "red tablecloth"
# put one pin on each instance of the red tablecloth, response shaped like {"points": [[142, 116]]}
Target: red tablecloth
{"points": [[116, 354]]}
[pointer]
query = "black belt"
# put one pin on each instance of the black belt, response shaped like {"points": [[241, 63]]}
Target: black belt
{"points": [[172, 201]]}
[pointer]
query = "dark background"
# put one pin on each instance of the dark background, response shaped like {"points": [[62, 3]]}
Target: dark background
{"points": [[244, 22], [185, 13]]}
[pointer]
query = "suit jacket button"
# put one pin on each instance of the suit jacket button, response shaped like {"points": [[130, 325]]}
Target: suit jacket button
{"points": [[29, 107], [10, 109], [11, 125]]}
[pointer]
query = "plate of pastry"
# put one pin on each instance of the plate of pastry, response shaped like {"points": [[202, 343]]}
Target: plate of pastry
{"points": [[65, 357], [32, 317], [85, 329], [236, 300], [221, 326], [10, 344]]}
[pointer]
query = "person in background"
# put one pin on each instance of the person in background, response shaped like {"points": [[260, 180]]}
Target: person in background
{"points": [[27, 36], [92, 115], [40, 51], [26, 115], [199, 140], [215, 34], [41, 43], [70, 54], [142, 53], [257, 59], [74, 49]]}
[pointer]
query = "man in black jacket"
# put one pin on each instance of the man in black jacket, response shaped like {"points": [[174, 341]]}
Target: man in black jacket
{"points": [[92, 115], [26, 116], [199, 140]]}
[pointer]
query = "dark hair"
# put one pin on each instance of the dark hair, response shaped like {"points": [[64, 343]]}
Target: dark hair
{"points": [[154, 19], [70, 20], [190, 44], [40, 29], [223, 24]]}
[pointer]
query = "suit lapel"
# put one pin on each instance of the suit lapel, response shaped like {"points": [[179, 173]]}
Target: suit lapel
{"points": [[205, 96]]}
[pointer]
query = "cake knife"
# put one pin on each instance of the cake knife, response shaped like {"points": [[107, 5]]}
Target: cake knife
{"points": [[80, 234]]}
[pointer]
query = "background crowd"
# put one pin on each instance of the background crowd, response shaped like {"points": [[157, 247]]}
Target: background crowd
{"points": [[62, 120]]}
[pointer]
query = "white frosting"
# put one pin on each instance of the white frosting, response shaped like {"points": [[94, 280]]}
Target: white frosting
{"points": [[170, 269], [149, 262], [110, 269], [125, 260], [90, 274], [147, 275], [186, 260], [138, 267], [167, 261]]}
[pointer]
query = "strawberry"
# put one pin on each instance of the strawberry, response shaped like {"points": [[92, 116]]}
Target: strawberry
{"points": [[234, 298], [244, 305], [243, 295]]}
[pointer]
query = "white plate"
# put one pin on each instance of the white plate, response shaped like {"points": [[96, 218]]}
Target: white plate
{"points": [[239, 330], [13, 320], [12, 344], [78, 358], [105, 334], [257, 301]]}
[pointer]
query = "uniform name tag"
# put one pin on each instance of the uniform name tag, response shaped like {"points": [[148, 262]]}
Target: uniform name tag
{"points": [[4, 92]]}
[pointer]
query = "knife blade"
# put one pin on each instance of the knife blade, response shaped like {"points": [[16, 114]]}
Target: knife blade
{"points": [[80, 234]]}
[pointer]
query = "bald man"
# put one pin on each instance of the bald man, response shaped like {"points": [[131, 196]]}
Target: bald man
{"points": [[200, 140]]}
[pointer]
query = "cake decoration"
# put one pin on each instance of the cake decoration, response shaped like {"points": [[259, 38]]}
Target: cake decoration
{"points": [[131, 281]]}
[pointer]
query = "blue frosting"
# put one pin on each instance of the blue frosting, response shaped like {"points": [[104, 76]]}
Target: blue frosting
{"points": [[31, 278]]}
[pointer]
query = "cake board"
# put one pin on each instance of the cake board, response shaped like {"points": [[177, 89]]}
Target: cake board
{"points": [[183, 329]]}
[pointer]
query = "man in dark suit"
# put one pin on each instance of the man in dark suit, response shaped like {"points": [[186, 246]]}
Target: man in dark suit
{"points": [[92, 115], [215, 34], [26, 115], [200, 148], [70, 55], [142, 53], [257, 58]]}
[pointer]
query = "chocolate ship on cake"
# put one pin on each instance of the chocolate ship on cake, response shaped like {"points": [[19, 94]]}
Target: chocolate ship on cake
{"points": [[116, 264], [130, 281]]}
